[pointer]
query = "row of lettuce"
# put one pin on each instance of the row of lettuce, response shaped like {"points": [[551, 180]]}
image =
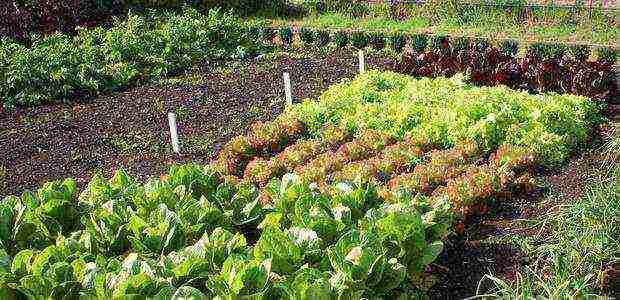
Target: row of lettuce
{"points": [[542, 67], [346, 197], [61, 67]]}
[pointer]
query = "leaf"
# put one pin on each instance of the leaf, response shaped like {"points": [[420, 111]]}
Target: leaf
{"points": [[21, 262], [188, 293], [5, 263], [276, 245], [240, 277], [310, 283], [431, 252], [35, 286], [392, 277], [271, 219], [6, 221], [357, 255], [141, 284]]}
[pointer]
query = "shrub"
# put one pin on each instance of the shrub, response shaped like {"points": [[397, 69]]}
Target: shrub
{"points": [[398, 42], [286, 35], [240, 7], [359, 40], [354, 8], [341, 39]]}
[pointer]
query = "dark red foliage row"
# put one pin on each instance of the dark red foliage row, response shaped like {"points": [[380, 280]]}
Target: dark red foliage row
{"points": [[488, 66]]}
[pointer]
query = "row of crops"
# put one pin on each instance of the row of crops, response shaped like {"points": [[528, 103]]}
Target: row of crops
{"points": [[542, 67], [349, 196], [150, 45], [63, 67]]}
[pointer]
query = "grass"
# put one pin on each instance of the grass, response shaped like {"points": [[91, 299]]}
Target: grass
{"points": [[136, 141], [552, 25], [4, 174], [582, 239]]}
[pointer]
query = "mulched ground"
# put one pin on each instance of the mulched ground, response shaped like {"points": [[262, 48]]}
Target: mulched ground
{"points": [[214, 102]]}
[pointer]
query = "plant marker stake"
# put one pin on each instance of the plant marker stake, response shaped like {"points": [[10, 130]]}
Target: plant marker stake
{"points": [[361, 59], [174, 136], [287, 89]]}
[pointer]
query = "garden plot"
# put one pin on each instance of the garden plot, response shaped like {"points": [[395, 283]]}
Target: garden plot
{"points": [[213, 102], [351, 195]]}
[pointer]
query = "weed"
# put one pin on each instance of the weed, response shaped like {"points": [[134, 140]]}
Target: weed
{"points": [[4, 175], [159, 104], [182, 112], [571, 261]]}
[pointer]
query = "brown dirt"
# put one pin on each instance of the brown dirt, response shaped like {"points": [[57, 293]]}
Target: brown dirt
{"points": [[213, 102]]}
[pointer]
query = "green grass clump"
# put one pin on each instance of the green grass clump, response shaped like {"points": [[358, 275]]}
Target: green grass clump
{"points": [[583, 240], [341, 39]]}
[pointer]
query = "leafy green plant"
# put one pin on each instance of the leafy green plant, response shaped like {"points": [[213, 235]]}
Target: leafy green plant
{"points": [[307, 36], [419, 41], [482, 45], [580, 53], [398, 42], [439, 43], [461, 44], [377, 40], [341, 39], [97, 60], [347, 196], [268, 34], [359, 39], [286, 35], [323, 38], [509, 47], [607, 55]]}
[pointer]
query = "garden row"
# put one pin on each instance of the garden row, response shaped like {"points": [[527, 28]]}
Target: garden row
{"points": [[543, 68], [20, 19], [63, 67], [347, 196]]}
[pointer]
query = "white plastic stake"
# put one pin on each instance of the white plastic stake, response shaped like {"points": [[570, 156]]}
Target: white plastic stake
{"points": [[174, 135], [287, 89], [362, 62]]}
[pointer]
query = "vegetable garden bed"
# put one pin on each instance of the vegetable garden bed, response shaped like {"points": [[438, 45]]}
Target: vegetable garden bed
{"points": [[351, 195], [214, 101]]}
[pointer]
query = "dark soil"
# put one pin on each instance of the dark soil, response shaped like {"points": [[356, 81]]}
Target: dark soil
{"points": [[213, 102]]}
